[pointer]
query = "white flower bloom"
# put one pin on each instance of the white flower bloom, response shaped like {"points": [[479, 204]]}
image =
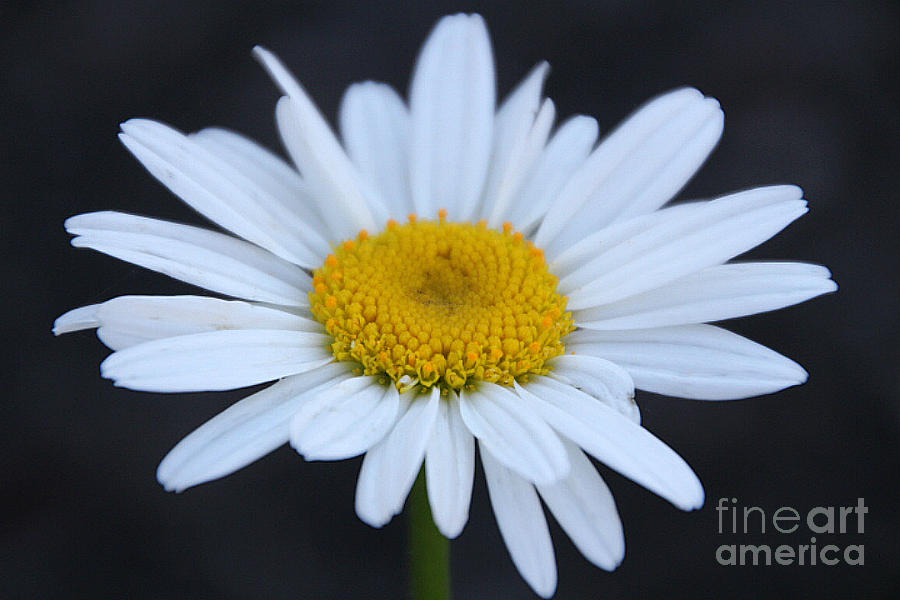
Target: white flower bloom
{"points": [[540, 283]]}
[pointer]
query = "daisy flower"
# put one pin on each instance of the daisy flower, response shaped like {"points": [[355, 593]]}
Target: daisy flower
{"points": [[447, 272]]}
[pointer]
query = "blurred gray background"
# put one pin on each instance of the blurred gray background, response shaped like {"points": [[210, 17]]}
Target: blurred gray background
{"points": [[810, 96]]}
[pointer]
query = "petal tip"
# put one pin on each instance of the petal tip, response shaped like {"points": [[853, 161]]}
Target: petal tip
{"points": [[451, 531], [262, 54], [72, 222], [76, 319], [166, 479], [371, 519], [693, 500], [133, 122]]}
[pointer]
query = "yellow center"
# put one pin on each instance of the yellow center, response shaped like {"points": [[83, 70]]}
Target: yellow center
{"points": [[438, 303]]}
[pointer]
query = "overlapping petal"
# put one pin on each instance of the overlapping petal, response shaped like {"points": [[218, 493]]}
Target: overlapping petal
{"points": [[614, 439], [637, 168], [604, 380], [217, 262], [245, 431], [216, 360], [564, 154], [334, 182], [584, 507], [652, 251], [345, 420], [692, 361], [520, 439], [450, 469], [270, 172], [390, 468], [713, 294], [223, 193], [522, 523], [129, 320], [521, 127], [375, 128]]}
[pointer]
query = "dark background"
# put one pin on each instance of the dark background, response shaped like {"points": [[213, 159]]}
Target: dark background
{"points": [[809, 91]]}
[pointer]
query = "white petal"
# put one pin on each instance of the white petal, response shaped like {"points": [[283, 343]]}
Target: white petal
{"points": [[713, 294], [583, 251], [697, 139], [282, 77], [450, 469], [129, 320], [692, 361], [334, 183], [452, 108], [333, 180], [606, 171], [584, 507], [216, 360], [268, 171], [244, 432], [522, 524], [390, 468], [345, 420], [681, 242], [524, 155], [77, 319], [518, 139], [118, 339], [375, 128], [607, 382], [614, 439], [648, 173], [221, 192], [204, 258], [516, 115], [566, 151], [166, 316], [518, 438]]}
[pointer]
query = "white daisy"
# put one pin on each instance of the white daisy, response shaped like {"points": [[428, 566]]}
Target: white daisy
{"points": [[540, 283]]}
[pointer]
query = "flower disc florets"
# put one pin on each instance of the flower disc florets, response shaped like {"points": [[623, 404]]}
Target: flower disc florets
{"points": [[442, 303]]}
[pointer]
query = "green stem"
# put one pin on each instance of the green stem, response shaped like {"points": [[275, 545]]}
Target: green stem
{"points": [[429, 551]]}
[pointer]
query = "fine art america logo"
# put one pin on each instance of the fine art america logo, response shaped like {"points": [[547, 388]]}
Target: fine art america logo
{"points": [[826, 522]]}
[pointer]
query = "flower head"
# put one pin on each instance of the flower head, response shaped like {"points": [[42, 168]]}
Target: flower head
{"points": [[451, 272]]}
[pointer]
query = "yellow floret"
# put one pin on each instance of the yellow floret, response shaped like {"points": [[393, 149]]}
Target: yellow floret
{"points": [[442, 303]]}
